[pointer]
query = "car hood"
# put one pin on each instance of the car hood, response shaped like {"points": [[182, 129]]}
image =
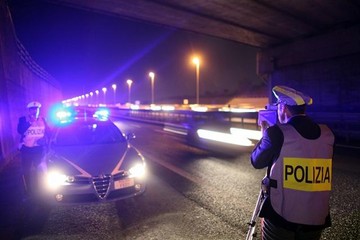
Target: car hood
{"points": [[91, 160]]}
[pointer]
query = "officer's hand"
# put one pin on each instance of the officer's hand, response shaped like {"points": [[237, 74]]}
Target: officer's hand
{"points": [[264, 125], [32, 118]]}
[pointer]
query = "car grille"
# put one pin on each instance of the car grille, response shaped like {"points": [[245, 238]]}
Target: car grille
{"points": [[101, 184]]}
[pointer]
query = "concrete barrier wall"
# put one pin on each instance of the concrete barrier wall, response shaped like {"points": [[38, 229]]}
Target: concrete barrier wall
{"points": [[21, 81], [327, 68]]}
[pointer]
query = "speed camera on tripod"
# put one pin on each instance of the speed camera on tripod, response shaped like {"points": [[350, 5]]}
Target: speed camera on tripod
{"points": [[269, 115]]}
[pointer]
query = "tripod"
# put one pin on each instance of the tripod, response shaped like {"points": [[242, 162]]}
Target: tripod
{"points": [[263, 194]]}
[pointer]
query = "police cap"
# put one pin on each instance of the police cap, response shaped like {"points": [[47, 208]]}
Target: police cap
{"points": [[290, 96], [34, 104]]}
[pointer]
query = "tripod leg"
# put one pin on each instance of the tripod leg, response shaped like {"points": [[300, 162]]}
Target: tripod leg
{"points": [[251, 232]]}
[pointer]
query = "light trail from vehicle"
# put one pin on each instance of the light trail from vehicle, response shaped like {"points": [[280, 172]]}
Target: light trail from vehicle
{"points": [[224, 137], [250, 134]]}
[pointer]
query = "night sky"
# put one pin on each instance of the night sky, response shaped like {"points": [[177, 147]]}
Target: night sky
{"points": [[86, 51]]}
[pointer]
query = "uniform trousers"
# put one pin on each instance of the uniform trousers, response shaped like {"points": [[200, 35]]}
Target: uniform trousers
{"points": [[31, 158], [272, 232]]}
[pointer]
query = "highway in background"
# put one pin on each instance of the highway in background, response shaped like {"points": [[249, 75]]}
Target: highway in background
{"points": [[191, 194]]}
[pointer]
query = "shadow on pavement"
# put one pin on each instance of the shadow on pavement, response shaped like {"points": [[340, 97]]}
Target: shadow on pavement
{"points": [[20, 216]]}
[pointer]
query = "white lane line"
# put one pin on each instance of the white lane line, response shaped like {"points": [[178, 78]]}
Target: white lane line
{"points": [[175, 169], [173, 130]]}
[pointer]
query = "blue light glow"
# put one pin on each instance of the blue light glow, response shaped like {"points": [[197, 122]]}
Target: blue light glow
{"points": [[60, 115], [102, 114]]}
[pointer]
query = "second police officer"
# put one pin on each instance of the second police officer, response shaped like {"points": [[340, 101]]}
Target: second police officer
{"points": [[34, 132]]}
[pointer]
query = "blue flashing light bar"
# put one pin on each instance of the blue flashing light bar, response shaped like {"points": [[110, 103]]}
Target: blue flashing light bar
{"points": [[62, 116], [102, 114], [65, 116]]}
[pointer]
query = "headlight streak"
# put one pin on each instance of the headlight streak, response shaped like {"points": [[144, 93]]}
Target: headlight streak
{"points": [[250, 134], [236, 110], [224, 137]]}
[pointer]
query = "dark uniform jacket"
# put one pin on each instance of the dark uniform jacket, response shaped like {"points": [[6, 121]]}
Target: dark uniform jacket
{"points": [[24, 125]]}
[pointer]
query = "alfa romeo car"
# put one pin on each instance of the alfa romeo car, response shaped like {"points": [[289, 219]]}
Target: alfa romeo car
{"points": [[91, 160]]}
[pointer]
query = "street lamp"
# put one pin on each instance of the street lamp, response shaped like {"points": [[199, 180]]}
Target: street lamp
{"points": [[129, 82], [104, 91], [91, 97], [196, 61], [97, 96], [114, 87], [152, 77]]}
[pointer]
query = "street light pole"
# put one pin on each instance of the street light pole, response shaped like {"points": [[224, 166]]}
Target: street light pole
{"points": [[152, 77], [91, 97], [129, 82], [114, 87], [104, 90], [196, 61], [97, 97]]}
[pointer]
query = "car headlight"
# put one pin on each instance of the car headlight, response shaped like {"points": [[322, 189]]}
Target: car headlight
{"points": [[56, 179], [137, 170]]}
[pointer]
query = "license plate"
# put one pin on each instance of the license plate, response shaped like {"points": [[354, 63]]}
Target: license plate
{"points": [[124, 183]]}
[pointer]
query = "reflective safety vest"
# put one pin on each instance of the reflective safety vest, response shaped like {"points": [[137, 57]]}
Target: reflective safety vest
{"points": [[35, 132], [303, 173]]}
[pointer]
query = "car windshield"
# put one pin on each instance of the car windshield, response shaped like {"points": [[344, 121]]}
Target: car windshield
{"points": [[87, 133]]}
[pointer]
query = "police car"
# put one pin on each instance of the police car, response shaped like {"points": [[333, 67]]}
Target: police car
{"points": [[91, 160]]}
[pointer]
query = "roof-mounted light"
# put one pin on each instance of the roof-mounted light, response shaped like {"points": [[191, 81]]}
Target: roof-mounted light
{"points": [[60, 115], [102, 114]]}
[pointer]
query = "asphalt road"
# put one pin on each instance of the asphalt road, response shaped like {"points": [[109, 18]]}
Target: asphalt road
{"points": [[191, 195]]}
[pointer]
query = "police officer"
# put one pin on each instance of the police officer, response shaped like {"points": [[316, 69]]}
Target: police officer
{"points": [[298, 155], [34, 131]]}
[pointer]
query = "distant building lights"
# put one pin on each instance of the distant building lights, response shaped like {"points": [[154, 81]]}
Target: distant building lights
{"points": [[134, 107], [168, 108], [155, 107], [199, 108]]}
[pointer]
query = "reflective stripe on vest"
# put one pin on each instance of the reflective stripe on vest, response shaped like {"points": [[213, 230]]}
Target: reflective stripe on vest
{"points": [[303, 173]]}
